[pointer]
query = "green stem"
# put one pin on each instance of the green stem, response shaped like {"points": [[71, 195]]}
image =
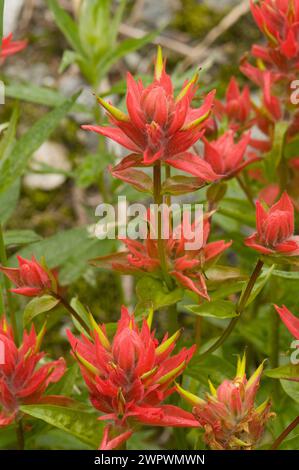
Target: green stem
{"points": [[274, 341], [285, 433], [246, 191], [73, 312], [158, 198], [20, 434], [6, 283], [239, 309]]}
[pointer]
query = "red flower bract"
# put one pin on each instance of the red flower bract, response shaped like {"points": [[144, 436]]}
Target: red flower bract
{"points": [[10, 47], [228, 414], [187, 266], [31, 278], [290, 321], [278, 20], [237, 106], [129, 378], [223, 157], [275, 229], [22, 380], [158, 125]]}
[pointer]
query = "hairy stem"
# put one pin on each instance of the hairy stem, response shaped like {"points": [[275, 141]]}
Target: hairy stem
{"points": [[6, 283], [239, 309], [285, 433]]}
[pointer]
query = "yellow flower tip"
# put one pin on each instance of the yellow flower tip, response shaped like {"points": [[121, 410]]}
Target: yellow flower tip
{"points": [[270, 36], [40, 337], [87, 365], [159, 64], [255, 376], [261, 408], [149, 374], [172, 374], [115, 112], [101, 335], [189, 397], [166, 344], [241, 366], [150, 317], [196, 122], [191, 82], [212, 388]]}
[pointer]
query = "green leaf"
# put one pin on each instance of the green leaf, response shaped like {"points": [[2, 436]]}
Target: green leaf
{"points": [[76, 422], [181, 184], [213, 367], [10, 133], [259, 285], [90, 169], [216, 309], [37, 306], [20, 237], [124, 48], [66, 24], [13, 167], [68, 58], [70, 249], [39, 95], [152, 290], [287, 372], [82, 312], [291, 389], [273, 158], [9, 200], [292, 275]]}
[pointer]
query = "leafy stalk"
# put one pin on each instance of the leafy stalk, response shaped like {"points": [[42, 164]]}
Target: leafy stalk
{"points": [[241, 305]]}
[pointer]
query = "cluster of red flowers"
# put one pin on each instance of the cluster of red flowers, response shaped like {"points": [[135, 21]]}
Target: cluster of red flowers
{"points": [[130, 376], [22, 379]]}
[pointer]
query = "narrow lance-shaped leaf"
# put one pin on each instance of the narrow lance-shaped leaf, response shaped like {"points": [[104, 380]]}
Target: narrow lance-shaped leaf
{"points": [[66, 24], [15, 164]]}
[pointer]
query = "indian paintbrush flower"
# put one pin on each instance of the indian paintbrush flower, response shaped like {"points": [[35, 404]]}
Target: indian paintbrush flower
{"points": [[10, 47], [129, 378], [223, 156], [278, 21], [290, 321], [228, 414], [158, 125], [237, 106], [31, 278], [186, 266], [23, 380], [275, 229]]}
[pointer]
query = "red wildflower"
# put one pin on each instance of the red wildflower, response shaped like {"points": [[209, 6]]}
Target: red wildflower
{"points": [[129, 378], [10, 47], [222, 156], [290, 321], [275, 229], [110, 443], [31, 278], [237, 106], [22, 380], [158, 125], [278, 20], [187, 266], [228, 415]]}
